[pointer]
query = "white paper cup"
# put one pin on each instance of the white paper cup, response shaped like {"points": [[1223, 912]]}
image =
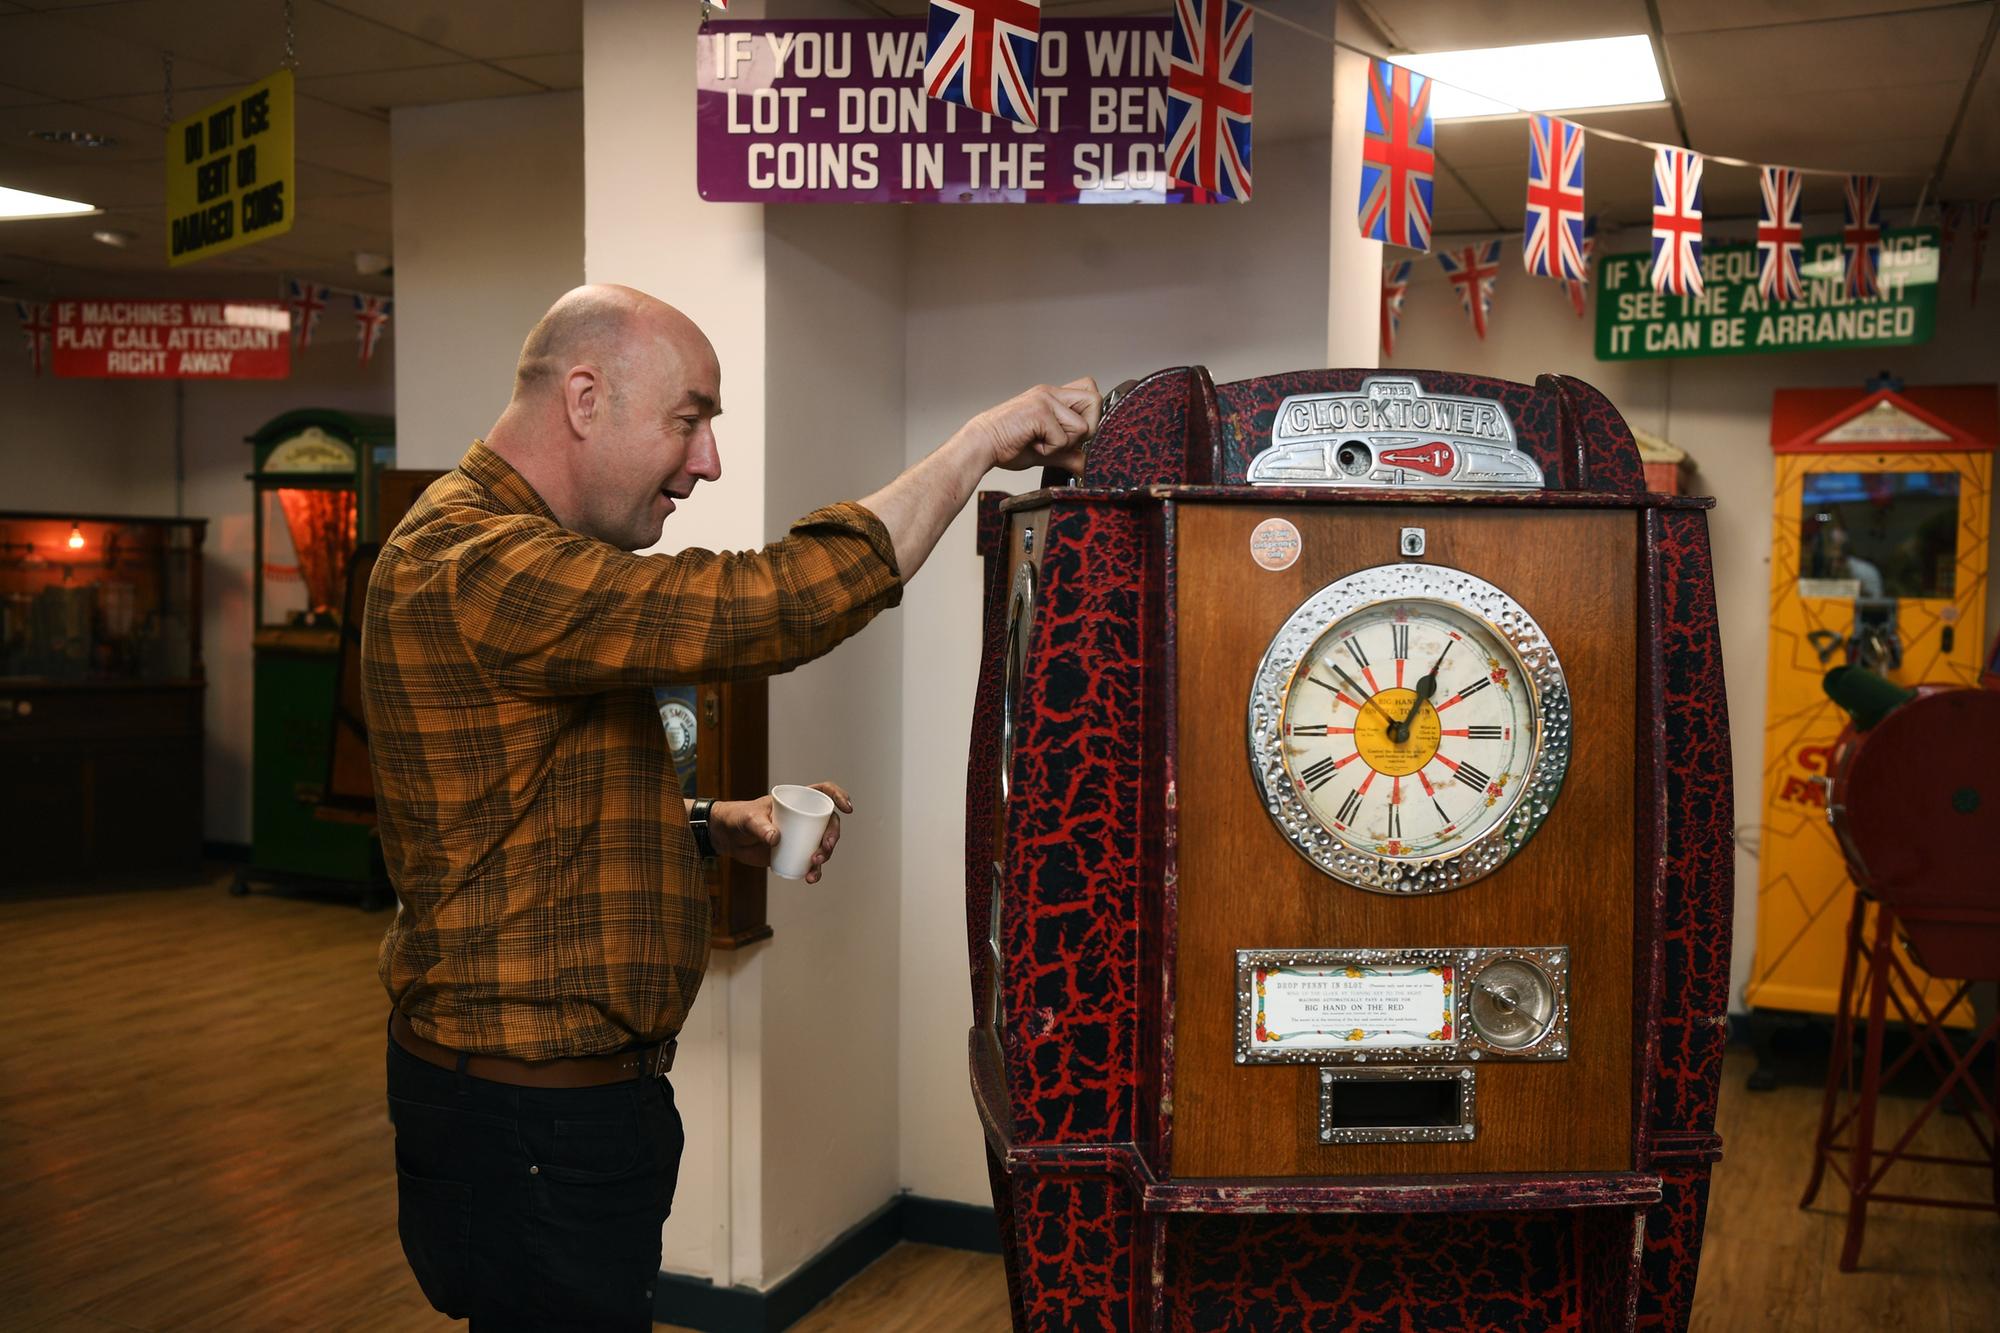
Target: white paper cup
{"points": [[802, 813]]}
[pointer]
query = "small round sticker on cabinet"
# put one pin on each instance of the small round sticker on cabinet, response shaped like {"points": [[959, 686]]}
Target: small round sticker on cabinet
{"points": [[1274, 544]]}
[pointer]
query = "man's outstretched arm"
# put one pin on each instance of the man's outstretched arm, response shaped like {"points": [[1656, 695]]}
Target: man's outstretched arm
{"points": [[1044, 427]]}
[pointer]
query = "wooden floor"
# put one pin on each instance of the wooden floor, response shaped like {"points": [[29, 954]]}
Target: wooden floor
{"points": [[192, 1136]]}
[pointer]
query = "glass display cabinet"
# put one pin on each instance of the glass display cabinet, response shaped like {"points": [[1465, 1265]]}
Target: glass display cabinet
{"points": [[100, 695], [314, 479]]}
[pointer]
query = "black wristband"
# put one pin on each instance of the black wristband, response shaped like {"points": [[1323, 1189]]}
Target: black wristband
{"points": [[698, 825]]}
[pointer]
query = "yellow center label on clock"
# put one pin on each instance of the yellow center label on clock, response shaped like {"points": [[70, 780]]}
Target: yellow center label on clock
{"points": [[1380, 750]]}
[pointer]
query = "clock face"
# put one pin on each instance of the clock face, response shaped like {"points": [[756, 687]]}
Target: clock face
{"points": [[1409, 728]]}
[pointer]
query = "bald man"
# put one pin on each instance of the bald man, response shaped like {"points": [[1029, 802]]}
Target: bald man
{"points": [[552, 926]]}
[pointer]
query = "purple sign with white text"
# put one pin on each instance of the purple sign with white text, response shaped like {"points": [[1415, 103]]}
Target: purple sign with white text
{"points": [[834, 112]]}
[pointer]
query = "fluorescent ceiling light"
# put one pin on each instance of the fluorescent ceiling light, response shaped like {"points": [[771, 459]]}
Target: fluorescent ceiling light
{"points": [[1549, 76], [16, 204]]}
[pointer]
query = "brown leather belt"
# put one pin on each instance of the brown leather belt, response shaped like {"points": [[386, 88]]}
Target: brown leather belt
{"points": [[574, 1071]]}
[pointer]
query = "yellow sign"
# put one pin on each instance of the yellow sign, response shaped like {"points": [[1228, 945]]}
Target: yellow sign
{"points": [[229, 173], [1897, 538]]}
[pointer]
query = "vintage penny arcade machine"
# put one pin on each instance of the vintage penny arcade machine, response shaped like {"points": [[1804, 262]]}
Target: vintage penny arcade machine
{"points": [[1878, 561], [1348, 864]]}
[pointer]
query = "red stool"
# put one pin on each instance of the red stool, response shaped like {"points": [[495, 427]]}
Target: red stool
{"points": [[1916, 806]]}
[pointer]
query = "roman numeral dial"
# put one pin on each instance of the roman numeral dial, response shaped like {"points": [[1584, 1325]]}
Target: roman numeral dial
{"points": [[1407, 728]]}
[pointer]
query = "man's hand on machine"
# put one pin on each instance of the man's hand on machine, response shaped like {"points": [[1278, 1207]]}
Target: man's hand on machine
{"points": [[1044, 427], [747, 831]]}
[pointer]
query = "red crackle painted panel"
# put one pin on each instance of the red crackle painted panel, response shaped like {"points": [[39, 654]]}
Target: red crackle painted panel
{"points": [[1075, 1236], [1075, 838], [1142, 441], [1598, 451], [1250, 407], [1003, 1208], [1700, 859], [1672, 1252], [1606, 1283], [1410, 1272], [983, 759]]}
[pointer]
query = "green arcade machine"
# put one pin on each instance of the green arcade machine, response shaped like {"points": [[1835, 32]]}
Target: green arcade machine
{"points": [[315, 482]]}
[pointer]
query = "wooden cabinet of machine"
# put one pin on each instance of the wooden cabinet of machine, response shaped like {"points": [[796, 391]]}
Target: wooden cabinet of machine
{"points": [[1348, 864], [101, 694]]}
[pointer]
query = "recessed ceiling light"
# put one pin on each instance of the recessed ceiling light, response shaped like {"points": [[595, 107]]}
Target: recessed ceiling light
{"points": [[117, 240], [1547, 76], [20, 204], [73, 138]]}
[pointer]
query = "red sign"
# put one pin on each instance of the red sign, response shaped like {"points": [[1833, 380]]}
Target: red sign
{"points": [[1435, 458], [168, 340]]}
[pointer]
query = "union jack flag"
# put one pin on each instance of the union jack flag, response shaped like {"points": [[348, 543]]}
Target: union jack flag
{"points": [[982, 55], [35, 327], [1208, 97], [371, 321], [1474, 270], [308, 302], [1552, 244], [1395, 286], [1861, 238], [1398, 160], [1579, 289], [1677, 221], [1780, 237]]}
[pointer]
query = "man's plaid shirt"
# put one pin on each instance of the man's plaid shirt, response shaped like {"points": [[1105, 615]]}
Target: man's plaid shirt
{"points": [[552, 901]]}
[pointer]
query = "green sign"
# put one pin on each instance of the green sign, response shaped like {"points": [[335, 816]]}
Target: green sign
{"points": [[1730, 317]]}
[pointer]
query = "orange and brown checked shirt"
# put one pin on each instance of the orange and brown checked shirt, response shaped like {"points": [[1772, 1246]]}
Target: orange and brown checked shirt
{"points": [[552, 901]]}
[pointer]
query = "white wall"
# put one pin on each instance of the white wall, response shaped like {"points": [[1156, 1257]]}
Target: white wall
{"points": [[832, 1005], [1719, 410], [107, 446], [488, 217]]}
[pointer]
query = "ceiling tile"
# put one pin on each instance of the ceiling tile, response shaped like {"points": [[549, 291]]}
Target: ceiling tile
{"points": [[381, 89], [1703, 15], [132, 140], [1974, 168], [482, 31], [1457, 25], [1846, 56], [52, 55], [247, 37], [553, 72], [1815, 129]]}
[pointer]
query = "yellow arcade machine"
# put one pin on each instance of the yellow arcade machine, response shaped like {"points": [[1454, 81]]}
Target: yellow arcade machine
{"points": [[1878, 558]]}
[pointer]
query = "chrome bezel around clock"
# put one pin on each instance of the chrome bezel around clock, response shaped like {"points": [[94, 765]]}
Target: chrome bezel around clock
{"points": [[1548, 692]]}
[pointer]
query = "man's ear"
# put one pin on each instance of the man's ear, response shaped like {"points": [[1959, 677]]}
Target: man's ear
{"points": [[583, 398]]}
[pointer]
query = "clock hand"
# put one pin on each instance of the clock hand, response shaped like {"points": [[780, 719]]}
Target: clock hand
{"points": [[1426, 686], [1356, 687]]}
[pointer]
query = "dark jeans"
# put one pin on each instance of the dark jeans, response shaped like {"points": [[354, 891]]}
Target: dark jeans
{"points": [[533, 1208]]}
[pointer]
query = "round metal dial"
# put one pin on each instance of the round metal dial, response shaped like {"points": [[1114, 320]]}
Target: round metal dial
{"points": [[1511, 1003], [1409, 727]]}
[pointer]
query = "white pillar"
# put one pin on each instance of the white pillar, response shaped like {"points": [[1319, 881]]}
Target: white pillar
{"points": [[1354, 263], [646, 226]]}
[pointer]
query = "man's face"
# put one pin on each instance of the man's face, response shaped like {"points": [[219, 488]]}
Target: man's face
{"points": [[657, 439]]}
